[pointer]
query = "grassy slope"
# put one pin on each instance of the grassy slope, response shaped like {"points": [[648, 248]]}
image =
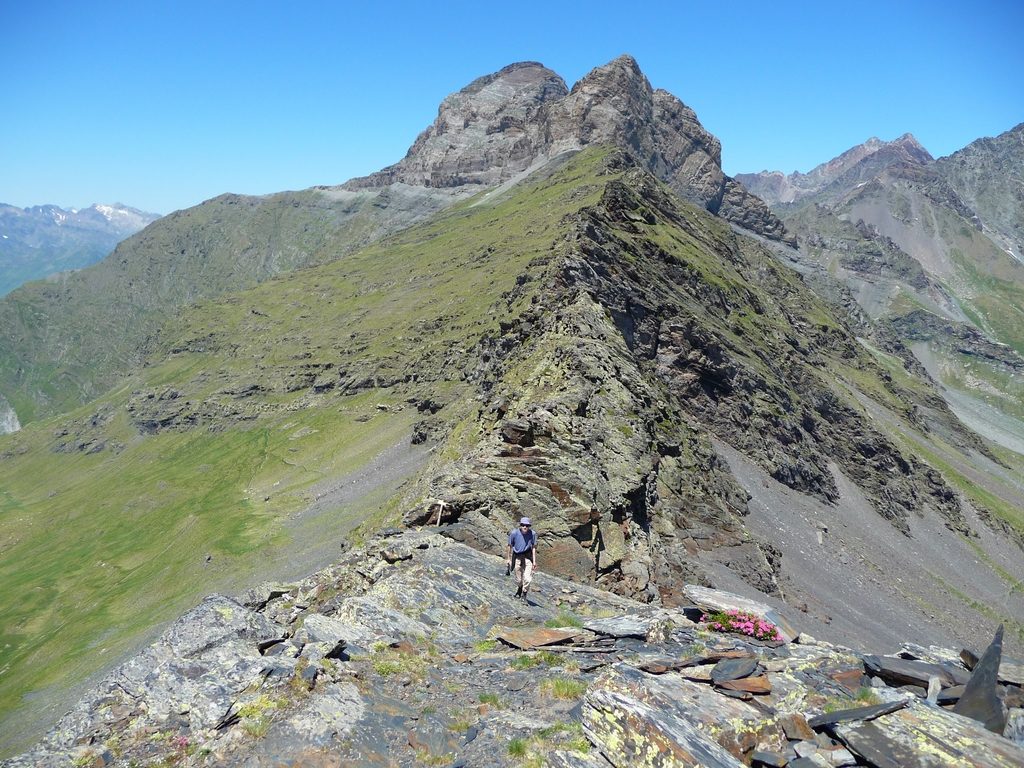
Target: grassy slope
{"points": [[100, 547], [65, 341]]}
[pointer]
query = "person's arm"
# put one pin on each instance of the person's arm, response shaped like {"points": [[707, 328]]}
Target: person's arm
{"points": [[508, 556], [535, 550]]}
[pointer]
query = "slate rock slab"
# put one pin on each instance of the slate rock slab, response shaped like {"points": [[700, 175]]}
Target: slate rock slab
{"points": [[327, 717], [924, 736], [795, 726], [624, 730], [897, 671], [856, 713], [759, 685], [979, 700], [733, 669], [620, 626], [768, 759], [534, 637]]}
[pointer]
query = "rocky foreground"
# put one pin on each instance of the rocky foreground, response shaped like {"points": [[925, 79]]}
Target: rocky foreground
{"points": [[411, 651]]}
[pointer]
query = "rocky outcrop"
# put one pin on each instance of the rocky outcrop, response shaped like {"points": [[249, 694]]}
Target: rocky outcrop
{"points": [[521, 116], [961, 338], [411, 651]]}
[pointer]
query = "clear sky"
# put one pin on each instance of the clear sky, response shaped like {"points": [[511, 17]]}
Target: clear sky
{"points": [[164, 104]]}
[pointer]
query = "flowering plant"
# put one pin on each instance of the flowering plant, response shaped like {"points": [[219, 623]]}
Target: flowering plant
{"points": [[742, 622]]}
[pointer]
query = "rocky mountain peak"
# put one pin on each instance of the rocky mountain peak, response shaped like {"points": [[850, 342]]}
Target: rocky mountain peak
{"points": [[618, 75], [503, 124]]}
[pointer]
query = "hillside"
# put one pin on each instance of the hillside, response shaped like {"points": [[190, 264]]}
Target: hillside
{"points": [[65, 341]]}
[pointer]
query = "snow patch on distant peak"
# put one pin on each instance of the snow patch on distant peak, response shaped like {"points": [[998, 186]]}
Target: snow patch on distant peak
{"points": [[108, 211]]}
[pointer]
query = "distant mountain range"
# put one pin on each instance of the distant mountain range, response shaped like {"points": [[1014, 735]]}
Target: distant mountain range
{"points": [[931, 249], [44, 239]]}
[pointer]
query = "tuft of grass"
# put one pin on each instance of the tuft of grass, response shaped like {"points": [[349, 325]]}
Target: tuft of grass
{"points": [[536, 659], [864, 697], [491, 699], [517, 747], [388, 662], [485, 646], [424, 757], [565, 688], [462, 721], [564, 619]]}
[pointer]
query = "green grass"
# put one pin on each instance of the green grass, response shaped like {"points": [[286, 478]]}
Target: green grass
{"points": [[564, 619], [536, 659], [517, 747], [565, 688], [491, 699]]}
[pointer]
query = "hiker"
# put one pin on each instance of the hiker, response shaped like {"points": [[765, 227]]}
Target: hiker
{"points": [[522, 555]]}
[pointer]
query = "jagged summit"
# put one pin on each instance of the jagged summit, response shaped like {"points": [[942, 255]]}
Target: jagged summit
{"points": [[503, 124], [483, 134]]}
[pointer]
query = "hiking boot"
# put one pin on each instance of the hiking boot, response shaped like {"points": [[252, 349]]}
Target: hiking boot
{"points": [[519, 591]]}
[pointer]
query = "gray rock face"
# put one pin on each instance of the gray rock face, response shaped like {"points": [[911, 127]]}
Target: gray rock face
{"points": [[484, 134], [502, 124]]}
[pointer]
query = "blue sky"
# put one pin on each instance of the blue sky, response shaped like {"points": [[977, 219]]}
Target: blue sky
{"points": [[162, 105]]}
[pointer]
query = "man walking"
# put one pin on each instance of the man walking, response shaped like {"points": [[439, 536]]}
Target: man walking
{"points": [[522, 555]]}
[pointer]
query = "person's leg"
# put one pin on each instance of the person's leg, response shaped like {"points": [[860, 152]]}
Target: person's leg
{"points": [[527, 574], [518, 570]]}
